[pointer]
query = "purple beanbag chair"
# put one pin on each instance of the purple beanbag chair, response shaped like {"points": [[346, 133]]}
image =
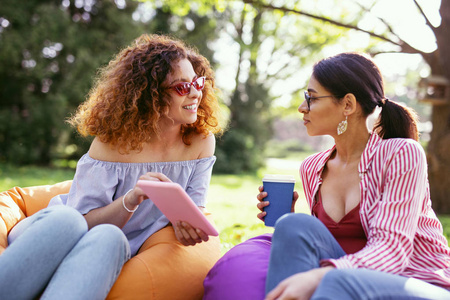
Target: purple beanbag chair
{"points": [[241, 273]]}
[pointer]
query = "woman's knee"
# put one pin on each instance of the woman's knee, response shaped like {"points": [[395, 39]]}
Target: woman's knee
{"points": [[295, 225], [109, 238], [108, 234], [65, 219]]}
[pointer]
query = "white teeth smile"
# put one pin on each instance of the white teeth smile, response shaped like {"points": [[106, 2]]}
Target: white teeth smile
{"points": [[190, 107]]}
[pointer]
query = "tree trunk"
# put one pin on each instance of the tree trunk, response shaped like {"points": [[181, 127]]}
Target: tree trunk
{"points": [[439, 159], [438, 150]]}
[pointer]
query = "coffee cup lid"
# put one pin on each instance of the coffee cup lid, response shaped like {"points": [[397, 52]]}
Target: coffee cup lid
{"points": [[278, 178]]}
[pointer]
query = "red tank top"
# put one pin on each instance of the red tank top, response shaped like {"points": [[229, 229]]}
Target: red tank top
{"points": [[348, 232]]}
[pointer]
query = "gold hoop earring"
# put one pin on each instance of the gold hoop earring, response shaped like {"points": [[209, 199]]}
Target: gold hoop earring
{"points": [[342, 126]]}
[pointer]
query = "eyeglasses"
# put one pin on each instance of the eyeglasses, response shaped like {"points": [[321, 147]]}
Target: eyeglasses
{"points": [[308, 98], [184, 88]]}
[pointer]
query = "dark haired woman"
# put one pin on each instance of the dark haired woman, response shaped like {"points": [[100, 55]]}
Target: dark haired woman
{"points": [[372, 233], [153, 112]]}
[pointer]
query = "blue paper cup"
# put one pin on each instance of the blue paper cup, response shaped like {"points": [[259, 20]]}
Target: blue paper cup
{"points": [[280, 189]]}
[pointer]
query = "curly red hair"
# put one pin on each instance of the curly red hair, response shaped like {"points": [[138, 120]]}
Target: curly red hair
{"points": [[128, 98]]}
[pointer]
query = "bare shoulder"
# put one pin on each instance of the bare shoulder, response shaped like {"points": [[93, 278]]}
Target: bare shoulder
{"points": [[103, 151], [204, 146]]}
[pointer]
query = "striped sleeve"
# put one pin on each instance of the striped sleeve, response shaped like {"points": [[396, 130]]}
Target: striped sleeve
{"points": [[393, 219]]}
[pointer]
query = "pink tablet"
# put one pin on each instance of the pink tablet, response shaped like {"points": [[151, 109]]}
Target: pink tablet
{"points": [[176, 205]]}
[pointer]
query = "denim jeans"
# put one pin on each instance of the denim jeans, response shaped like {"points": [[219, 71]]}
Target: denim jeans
{"points": [[52, 254], [299, 243]]}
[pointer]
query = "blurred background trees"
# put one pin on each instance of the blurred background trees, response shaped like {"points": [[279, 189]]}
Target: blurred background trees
{"points": [[49, 52], [262, 52]]}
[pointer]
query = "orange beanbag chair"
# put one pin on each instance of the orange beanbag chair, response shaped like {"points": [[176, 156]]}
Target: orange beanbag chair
{"points": [[163, 268]]}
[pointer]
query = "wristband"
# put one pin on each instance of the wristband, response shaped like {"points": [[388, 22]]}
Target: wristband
{"points": [[123, 203]]}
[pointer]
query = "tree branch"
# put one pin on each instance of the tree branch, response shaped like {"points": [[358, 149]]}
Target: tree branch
{"points": [[375, 53], [388, 26], [406, 48], [324, 19], [424, 15]]}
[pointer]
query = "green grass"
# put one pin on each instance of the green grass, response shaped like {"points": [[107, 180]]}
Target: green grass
{"points": [[231, 198], [11, 176]]}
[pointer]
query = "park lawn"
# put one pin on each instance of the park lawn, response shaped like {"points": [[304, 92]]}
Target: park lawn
{"points": [[23, 176], [231, 198], [232, 201]]}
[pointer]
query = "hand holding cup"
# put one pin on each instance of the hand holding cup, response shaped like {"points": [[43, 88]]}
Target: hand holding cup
{"points": [[276, 197]]}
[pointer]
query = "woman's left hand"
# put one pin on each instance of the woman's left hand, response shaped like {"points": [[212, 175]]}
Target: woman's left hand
{"points": [[188, 235], [300, 286]]}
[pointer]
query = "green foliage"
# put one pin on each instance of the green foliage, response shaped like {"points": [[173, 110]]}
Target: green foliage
{"points": [[49, 55], [284, 149], [236, 153], [183, 8], [241, 149], [445, 220]]}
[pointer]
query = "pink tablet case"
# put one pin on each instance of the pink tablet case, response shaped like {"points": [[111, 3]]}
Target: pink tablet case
{"points": [[176, 205]]}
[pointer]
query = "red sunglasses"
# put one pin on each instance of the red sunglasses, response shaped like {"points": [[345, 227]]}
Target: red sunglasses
{"points": [[184, 88]]}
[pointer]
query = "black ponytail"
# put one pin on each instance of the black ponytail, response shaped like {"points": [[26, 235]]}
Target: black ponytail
{"points": [[396, 121]]}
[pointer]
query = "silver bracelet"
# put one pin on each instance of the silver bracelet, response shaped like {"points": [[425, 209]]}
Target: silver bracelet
{"points": [[123, 203]]}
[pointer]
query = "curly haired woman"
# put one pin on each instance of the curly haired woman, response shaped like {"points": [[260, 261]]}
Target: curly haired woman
{"points": [[154, 113]]}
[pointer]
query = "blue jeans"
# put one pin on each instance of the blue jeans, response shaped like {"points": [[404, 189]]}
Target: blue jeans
{"points": [[300, 241], [52, 254]]}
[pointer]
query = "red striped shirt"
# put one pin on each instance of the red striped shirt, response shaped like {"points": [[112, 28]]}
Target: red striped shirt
{"points": [[404, 236]]}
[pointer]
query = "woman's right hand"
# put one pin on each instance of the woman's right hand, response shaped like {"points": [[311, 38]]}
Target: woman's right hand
{"points": [[261, 204]]}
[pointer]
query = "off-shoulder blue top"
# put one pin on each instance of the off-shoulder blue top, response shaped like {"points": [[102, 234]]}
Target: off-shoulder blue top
{"points": [[97, 183]]}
